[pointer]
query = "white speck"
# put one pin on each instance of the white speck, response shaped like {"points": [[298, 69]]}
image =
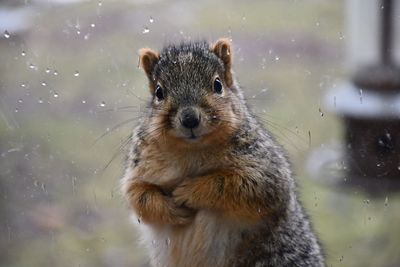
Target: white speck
{"points": [[83, 101], [76, 74], [100, 3], [78, 32], [92, 25], [16, 110], [86, 37], [55, 72], [20, 100], [43, 83], [6, 34], [102, 104], [151, 19], [32, 66], [47, 70], [55, 94], [40, 101], [23, 85], [23, 53], [276, 58], [341, 36], [146, 30]]}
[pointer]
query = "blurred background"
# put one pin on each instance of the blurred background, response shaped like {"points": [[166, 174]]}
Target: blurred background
{"points": [[70, 93]]}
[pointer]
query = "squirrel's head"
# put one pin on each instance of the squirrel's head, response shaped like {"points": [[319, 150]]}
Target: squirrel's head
{"points": [[194, 99]]}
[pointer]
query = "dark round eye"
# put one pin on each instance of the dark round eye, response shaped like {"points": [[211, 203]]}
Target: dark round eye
{"points": [[159, 92], [217, 86]]}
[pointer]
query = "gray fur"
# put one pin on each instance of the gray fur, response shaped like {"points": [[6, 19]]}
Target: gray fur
{"points": [[285, 238]]}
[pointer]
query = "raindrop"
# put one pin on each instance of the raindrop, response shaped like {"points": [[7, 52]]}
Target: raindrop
{"points": [[55, 94], [83, 101], [43, 83], [55, 72], [361, 96], [78, 32], [146, 30], [76, 74], [168, 241], [386, 201], [100, 3], [320, 112], [23, 85], [6, 34], [16, 110], [102, 104], [341, 36], [23, 53], [32, 66], [151, 19], [40, 101], [47, 70], [20, 100], [276, 58], [86, 37], [92, 25]]}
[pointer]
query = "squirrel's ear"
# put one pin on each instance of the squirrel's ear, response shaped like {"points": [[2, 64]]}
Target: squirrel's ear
{"points": [[147, 61], [222, 49]]}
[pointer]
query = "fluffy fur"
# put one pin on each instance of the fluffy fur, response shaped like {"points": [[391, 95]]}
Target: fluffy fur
{"points": [[221, 194]]}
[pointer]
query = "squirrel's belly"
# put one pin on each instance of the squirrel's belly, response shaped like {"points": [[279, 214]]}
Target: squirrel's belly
{"points": [[205, 242]]}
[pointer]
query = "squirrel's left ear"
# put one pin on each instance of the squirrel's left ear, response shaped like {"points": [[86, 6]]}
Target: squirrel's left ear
{"points": [[147, 61], [222, 49]]}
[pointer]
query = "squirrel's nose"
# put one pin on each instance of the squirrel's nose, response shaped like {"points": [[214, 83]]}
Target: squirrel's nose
{"points": [[190, 118]]}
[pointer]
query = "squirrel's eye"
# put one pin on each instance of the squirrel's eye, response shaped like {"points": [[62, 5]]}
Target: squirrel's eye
{"points": [[217, 86], [159, 92]]}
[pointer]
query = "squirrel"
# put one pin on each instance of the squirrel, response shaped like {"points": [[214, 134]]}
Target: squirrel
{"points": [[207, 182]]}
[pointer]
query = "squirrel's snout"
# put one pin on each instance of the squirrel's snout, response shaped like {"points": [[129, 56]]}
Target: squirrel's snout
{"points": [[190, 118]]}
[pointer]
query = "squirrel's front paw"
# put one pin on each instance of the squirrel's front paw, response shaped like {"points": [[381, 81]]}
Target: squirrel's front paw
{"points": [[184, 195]]}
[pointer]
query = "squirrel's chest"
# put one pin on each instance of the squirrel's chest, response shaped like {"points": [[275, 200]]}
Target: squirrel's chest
{"points": [[169, 168]]}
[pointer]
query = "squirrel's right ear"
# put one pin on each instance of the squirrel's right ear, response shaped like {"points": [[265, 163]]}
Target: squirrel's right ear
{"points": [[148, 60], [222, 49]]}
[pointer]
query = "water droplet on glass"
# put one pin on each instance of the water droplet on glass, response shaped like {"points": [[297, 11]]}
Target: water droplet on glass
{"points": [[55, 94], [20, 100], [100, 3], [47, 70], [40, 101], [92, 25], [361, 96], [151, 20], [55, 72], [83, 101], [76, 74], [320, 112], [276, 58], [168, 241], [32, 66], [146, 30], [16, 110], [78, 32], [6, 34], [23, 85], [43, 83], [23, 53], [386, 201], [102, 104], [86, 37], [341, 36]]}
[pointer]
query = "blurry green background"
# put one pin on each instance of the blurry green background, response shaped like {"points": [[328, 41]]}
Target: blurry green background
{"points": [[67, 73]]}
